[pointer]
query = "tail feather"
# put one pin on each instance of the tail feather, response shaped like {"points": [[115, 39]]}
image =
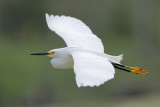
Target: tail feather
{"points": [[115, 59]]}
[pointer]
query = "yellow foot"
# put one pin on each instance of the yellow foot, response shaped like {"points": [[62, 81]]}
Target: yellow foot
{"points": [[137, 70]]}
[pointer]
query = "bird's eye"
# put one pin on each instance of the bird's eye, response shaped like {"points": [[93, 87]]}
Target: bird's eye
{"points": [[51, 53]]}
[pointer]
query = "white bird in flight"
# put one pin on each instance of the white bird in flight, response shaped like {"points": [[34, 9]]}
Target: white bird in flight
{"points": [[84, 53]]}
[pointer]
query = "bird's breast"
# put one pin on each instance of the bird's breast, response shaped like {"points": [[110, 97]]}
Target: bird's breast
{"points": [[64, 62]]}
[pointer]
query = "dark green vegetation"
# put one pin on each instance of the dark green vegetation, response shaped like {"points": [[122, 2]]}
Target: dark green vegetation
{"points": [[125, 27]]}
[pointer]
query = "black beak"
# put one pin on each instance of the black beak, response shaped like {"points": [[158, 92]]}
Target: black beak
{"points": [[43, 53]]}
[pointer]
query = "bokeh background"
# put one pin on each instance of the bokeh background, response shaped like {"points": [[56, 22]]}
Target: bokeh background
{"points": [[129, 27]]}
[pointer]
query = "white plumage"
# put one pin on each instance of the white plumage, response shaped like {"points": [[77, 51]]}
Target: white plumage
{"points": [[84, 52], [74, 32], [91, 69]]}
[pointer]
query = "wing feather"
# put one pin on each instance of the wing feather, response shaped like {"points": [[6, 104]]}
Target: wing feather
{"points": [[74, 32], [91, 69]]}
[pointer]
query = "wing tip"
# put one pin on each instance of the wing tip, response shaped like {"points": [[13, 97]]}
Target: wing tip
{"points": [[47, 15], [88, 85], [81, 84], [50, 16]]}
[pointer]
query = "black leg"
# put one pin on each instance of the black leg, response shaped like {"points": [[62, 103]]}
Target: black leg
{"points": [[135, 70]]}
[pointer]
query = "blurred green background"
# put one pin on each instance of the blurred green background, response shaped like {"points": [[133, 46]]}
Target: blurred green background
{"points": [[129, 27]]}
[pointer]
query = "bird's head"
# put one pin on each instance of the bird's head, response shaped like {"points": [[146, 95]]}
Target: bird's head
{"points": [[50, 53]]}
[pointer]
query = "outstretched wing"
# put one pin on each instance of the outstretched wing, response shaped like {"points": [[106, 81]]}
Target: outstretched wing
{"points": [[91, 69], [74, 32]]}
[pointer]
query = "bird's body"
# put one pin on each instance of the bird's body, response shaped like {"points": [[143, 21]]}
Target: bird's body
{"points": [[84, 52], [63, 59]]}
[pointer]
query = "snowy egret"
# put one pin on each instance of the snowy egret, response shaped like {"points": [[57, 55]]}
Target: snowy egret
{"points": [[84, 53]]}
